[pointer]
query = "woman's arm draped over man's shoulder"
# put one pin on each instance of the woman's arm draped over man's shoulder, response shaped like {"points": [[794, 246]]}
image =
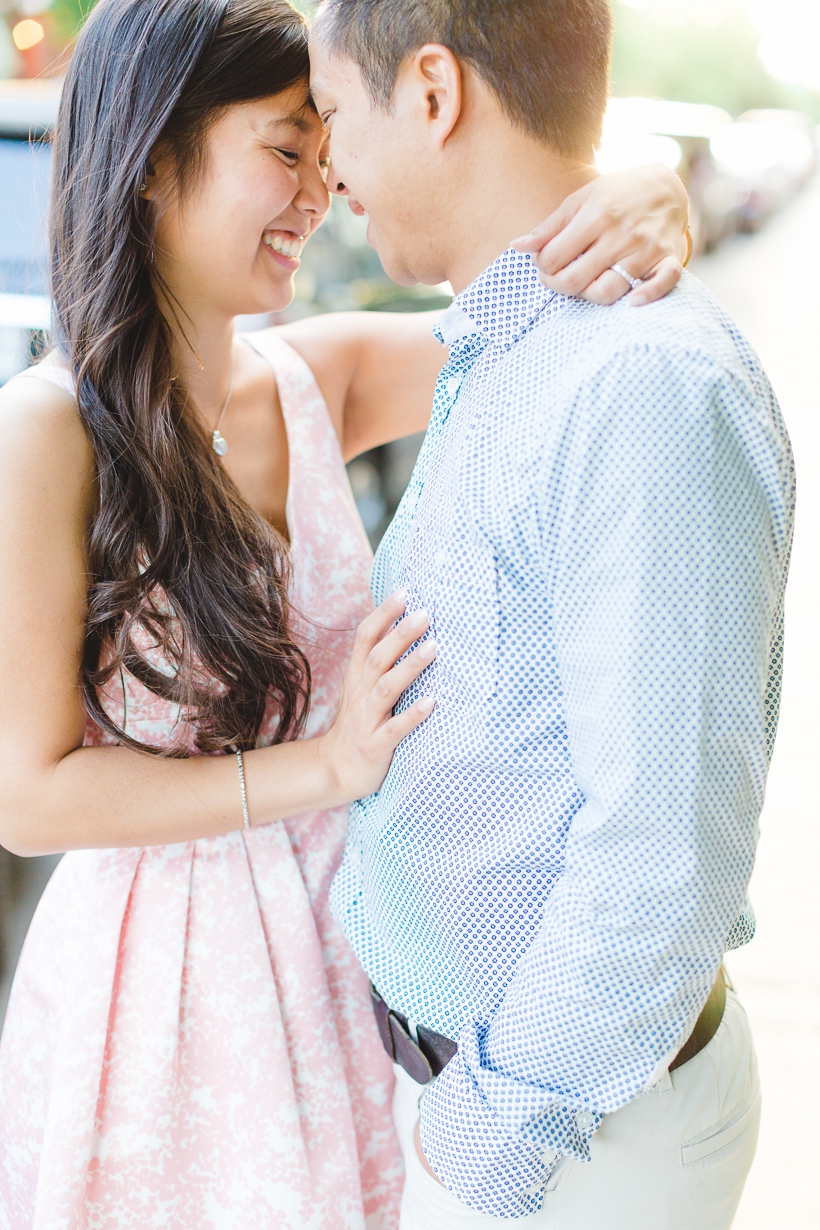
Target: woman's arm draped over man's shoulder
{"points": [[377, 370]]}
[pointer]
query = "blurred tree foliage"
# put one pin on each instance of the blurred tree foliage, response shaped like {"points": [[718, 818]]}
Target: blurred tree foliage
{"points": [[692, 61], [69, 15], [685, 60]]}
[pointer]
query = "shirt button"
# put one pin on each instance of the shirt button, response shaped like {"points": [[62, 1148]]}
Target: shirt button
{"points": [[453, 385], [440, 558], [584, 1120]]}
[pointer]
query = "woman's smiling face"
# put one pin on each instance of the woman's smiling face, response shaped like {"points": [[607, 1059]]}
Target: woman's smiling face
{"points": [[232, 241]]}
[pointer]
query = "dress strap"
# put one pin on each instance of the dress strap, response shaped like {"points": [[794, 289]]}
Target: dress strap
{"points": [[53, 374], [308, 423], [319, 490], [295, 380]]}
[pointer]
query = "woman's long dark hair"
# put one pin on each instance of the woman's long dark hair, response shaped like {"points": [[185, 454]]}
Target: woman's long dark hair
{"points": [[181, 570]]}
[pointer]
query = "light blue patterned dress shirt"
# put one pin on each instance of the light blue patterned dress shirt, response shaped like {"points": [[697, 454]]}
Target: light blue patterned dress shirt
{"points": [[599, 525]]}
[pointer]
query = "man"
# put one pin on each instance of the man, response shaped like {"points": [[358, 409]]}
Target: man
{"points": [[599, 527]]}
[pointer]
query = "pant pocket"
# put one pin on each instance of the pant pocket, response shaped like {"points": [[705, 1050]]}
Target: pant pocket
{"points": [[725, 1135]]}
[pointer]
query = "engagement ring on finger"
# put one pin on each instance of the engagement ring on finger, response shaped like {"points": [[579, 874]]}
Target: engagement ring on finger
{"points": [[627, 277]]}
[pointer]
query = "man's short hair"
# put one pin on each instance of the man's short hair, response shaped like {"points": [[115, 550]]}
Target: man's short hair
{"points": [[547, 61]]}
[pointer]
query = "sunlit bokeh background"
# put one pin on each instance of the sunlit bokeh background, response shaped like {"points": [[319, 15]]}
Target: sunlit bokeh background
{"points": [[727, 92]]}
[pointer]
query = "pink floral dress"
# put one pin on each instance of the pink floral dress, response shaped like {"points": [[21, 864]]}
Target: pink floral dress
{"points": [[189, 1041]]}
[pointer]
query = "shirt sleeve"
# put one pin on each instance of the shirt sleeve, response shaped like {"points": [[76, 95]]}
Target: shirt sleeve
{"points": [[665, 527]]}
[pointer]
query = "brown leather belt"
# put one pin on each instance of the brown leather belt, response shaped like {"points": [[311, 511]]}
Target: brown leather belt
{"points": [[706, 1026], [422, 1059], [425, 1055]]}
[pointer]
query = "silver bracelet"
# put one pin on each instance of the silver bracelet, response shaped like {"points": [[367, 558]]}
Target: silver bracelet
{"points": [[246, 816]]}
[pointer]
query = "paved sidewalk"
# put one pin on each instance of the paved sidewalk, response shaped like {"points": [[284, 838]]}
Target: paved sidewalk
{"points": [[771, 285]]}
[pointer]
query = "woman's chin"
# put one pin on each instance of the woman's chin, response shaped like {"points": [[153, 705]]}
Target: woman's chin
{"points": [[281, 295], [277, 300]]}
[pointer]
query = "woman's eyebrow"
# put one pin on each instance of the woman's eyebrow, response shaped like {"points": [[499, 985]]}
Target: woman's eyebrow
{"points": [[296, 119], [311, 98]]}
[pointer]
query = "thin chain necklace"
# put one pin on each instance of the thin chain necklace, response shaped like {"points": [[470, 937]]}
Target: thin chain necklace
{"points": [[218, 442]]}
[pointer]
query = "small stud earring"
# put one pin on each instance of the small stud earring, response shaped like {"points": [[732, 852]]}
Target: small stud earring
{"points": [[143, 185]]}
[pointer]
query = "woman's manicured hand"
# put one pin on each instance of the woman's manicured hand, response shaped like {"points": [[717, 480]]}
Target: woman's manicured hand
{"points": [[360, 745], [635, 218]]}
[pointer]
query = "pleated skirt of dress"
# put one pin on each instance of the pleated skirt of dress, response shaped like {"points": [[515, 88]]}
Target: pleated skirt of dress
{"points": [[189, 1045]]}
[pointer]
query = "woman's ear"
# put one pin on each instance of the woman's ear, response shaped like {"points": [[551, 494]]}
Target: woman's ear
{"points": [[148, 184], [160, 182]]}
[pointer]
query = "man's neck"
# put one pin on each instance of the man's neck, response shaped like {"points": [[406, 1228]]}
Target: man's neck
{"points": [[504, 199]]}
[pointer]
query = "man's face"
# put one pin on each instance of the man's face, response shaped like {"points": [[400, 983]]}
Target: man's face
{"points": [[383, 161]]}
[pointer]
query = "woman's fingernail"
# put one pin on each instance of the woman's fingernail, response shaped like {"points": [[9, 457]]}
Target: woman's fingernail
{"points": [[637, 301], [427, 649], [521, 239], [399, 596], [419, 620], [426, 704]]}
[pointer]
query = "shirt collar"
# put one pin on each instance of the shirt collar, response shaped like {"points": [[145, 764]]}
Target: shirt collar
{"points": [[504, 300], [454, 324]]}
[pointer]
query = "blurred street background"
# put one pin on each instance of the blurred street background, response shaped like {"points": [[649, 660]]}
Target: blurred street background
{"points": [[728, 93], [769, 284]]}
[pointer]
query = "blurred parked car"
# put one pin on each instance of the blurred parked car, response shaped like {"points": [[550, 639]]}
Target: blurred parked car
{"points": [[768, 155], [28, 110], [737, 173], [640, 130]]}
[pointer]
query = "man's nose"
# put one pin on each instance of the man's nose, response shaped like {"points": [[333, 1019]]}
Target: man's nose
{"points": [[334, 184]]}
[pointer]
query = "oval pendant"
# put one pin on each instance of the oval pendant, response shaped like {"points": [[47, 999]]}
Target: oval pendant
{"points": [[220, 444]]}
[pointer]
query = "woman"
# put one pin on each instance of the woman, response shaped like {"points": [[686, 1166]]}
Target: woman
{"points": [[189, 1041]]}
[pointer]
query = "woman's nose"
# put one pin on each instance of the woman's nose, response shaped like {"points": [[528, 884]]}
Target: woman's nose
{"points": [[312, 197]]}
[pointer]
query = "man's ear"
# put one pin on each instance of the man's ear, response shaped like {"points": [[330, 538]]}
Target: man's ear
{"points": [[434, 75]]}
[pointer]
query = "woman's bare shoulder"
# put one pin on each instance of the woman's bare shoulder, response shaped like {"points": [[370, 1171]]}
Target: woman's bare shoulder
{"points": [[41, 430], [44, 388]]}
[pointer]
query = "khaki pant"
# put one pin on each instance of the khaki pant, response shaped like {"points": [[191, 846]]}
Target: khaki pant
{"points": [[675, 1158]]}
